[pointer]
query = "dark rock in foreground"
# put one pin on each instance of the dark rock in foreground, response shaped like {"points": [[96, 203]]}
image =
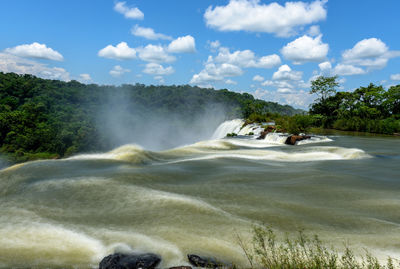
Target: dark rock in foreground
{"points": [[130, 261], [180, 267], [205, 262], [291, 140]]}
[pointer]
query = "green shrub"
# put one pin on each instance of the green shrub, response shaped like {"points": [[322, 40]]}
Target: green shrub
{"points": [[301, 252]]}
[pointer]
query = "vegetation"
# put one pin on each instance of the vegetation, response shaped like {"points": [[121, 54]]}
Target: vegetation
{"points": [[266, 251], [42, 118], [367, 109]]}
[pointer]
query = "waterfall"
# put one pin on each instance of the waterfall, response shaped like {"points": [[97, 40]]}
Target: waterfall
{"points": [[227, 127]]}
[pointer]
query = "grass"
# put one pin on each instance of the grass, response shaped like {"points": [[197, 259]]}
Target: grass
{"points": [[303, 252]]}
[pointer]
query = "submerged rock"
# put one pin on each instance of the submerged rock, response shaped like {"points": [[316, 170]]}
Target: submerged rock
{"points": [[207, 262], [130, 261], [291, 140]]}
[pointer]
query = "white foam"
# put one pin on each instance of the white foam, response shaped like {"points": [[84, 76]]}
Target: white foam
{"points": [[227, 127]]}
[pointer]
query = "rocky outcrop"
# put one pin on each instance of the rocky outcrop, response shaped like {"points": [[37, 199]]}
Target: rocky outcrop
{"points": [[267, 130], [291, 140], [130, 261], [206, 262]]}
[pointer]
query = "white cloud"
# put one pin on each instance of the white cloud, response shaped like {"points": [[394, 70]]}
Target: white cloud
{"points": [[148, 33], [258, 78], [306, 49], [158, 69], [215, 73], [286, 73], [85, 77], [348, 70], [314, 30], [11, 63], [183, 44], [118, 71], [299, 99], [230, 82], [285, 80], [214, 44], [35, 50], [325, 66], [160, 79], [247, 58], [253, 16], [268, 61], [155, 53], [129, 13], [371, 53], [120, 52], [395, 77]]}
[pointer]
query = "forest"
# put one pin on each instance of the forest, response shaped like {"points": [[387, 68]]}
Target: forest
{"points": [[370, 109], [42, 118]]}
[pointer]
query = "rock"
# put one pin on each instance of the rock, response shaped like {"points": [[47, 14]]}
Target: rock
{"points": [[130, 261], [207, 262], [267, 130], [262, 135], [291, 140], [180, 267]]}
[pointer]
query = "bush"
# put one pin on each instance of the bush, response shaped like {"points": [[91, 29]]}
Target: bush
{"points": [[231, 134], [303, 252]]}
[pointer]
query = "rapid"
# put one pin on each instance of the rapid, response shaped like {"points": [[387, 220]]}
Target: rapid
{"points": [[196, 198]]}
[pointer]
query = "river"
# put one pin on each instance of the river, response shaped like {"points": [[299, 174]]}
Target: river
{"points": [[70, 213]]}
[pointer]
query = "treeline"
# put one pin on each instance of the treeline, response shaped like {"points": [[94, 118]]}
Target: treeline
{"points": [[366, 109], [42, 118]]}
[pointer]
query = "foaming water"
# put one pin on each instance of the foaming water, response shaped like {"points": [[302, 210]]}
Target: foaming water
{"points": [[195, 198]]}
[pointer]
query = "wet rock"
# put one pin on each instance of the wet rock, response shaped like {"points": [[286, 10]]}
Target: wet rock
{"points": [[291, 140], [206, 262], [130, 261], [267, 130], [180, 267]]}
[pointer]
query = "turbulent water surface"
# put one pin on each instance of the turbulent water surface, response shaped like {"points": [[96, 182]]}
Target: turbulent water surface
{"points": [[195, 198]]}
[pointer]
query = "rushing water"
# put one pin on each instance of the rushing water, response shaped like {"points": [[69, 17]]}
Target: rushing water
{"points": [[194, 199]]}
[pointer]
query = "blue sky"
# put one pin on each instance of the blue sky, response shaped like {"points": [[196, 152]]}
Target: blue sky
{"points": [[271, 49]]}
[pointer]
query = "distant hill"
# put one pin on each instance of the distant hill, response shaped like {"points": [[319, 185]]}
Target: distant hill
{"points": [[45, 118]]}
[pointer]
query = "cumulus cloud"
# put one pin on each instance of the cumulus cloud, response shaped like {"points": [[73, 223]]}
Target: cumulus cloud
{"points": [[348, 70], [35, 50], [215, 73], [306, 49], [286, 73], [258, 78], [253, 16], [85, 77], [183, 44], [371, 53], [247, 58], [286, 81], [118, 71], [214, 45], [129, 13], [12, 63], [120, 52], [230, 82], [325, 66], [155, 53], [314, 30], [298, 99], [158, 69], [148, 33], [395, 77]]}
